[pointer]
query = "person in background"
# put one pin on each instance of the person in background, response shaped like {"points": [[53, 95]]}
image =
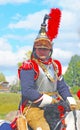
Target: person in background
{"points": [[41, 77]]}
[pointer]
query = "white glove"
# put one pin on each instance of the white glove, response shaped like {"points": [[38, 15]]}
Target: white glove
{"points": [[72, 103], [46, 100]]}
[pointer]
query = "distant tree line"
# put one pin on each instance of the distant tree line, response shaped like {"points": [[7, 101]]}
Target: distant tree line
{"points": [[72, 75]]}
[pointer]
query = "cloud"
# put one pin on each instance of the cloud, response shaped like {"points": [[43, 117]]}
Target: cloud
{"points": [[70, 5], [20, 38], [8, 57], [50, 2], [17, 17], [29, 22], [4, 45], [62, 54], [13, 1], [67, 4], [68, 20]]}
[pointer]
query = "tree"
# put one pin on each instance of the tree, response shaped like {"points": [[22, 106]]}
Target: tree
{"points": [[72, 75], [2, 77], [15, 87]]}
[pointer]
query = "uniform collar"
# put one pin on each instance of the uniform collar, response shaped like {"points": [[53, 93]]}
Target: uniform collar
{"points": [[49, 61]]}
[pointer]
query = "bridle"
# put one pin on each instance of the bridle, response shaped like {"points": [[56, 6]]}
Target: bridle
{"points": [[60, 122], [63, 118]]}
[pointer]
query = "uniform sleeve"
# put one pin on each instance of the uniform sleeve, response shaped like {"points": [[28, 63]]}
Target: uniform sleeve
{"points": [[63, 89], [28, 86]]}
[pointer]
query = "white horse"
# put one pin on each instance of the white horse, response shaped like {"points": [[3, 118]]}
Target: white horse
{"points": [[72, 120], [69, 121]]}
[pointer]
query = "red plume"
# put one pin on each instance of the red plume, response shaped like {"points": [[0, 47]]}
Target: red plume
{"points": [[53, 23], [78, 94]]}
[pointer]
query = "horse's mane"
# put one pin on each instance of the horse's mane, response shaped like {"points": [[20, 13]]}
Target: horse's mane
{"points": [[52, 113]]}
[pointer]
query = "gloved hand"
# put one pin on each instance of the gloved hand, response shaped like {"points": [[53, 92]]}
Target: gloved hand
{"points": [[72, 103], [73, 107]]}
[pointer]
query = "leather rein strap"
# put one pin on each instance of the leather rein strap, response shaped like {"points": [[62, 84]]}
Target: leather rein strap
{"points": [[75, 119]]}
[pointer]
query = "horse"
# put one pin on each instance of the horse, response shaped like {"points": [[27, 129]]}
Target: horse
{"points": [[59, 117], [70, 120]]}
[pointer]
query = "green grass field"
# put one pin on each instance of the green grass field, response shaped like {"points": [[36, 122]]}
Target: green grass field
{"points": [[8, 102]]}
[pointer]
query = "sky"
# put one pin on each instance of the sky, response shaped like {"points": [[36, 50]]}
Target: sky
{"points": [[20, 22]]}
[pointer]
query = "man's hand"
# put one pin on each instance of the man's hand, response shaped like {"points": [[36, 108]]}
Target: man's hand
{"points": [[54, 101], [72, 103], [73, 107]]}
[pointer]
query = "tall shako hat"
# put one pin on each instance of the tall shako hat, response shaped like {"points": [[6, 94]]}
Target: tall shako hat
{"points": [[48, 31]]}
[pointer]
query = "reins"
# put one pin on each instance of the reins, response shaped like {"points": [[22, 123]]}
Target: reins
{"points": [[61, 120], [75, 119]]}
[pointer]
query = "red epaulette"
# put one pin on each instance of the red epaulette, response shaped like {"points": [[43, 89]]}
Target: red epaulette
{"points": [[58, 66], [78, 94], [28, 65]]}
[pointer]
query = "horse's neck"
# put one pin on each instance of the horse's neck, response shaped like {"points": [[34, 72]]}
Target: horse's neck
{"points": [[70, 121]]}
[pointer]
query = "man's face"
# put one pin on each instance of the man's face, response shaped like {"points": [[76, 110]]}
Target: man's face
{"points": [[43, 53]]}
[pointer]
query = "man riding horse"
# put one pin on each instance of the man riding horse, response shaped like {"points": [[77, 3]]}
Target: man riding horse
{"points": [[41, 80], [41, 77]]}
